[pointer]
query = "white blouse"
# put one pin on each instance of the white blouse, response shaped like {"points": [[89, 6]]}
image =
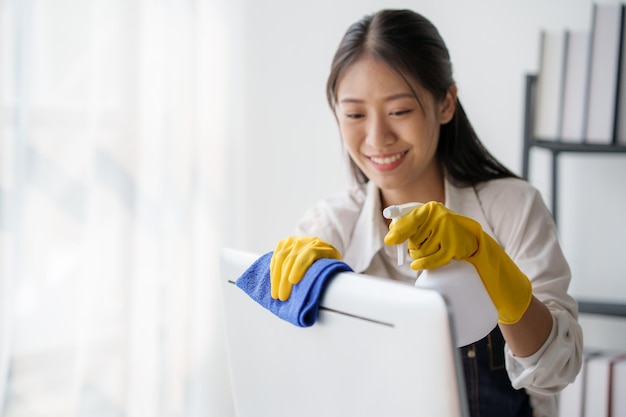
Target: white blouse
{"points": [[514, 214]]}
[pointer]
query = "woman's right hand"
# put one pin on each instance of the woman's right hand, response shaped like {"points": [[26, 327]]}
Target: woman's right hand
{"points": [[291, 259]]}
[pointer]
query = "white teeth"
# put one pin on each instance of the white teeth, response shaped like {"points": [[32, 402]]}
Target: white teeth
{"points": [[386, 160]]}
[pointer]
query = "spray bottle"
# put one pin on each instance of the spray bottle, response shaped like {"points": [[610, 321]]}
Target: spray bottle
{"points": [[473, 313]]}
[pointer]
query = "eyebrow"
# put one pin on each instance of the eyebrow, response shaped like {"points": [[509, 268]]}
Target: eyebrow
{"points": [[388, 98]]}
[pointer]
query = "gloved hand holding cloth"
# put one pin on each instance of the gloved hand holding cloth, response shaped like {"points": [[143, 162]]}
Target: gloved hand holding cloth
{"points": [[436, 235], [291, 259]]}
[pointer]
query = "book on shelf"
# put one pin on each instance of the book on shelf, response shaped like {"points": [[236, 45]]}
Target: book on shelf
{"points": [[599, 382], [549, 89], [618, 389], [575, 86], [606, 35], [620, 126]]}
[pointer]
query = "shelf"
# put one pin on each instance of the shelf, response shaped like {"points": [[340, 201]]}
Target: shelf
{"points": [[556, 146], [602, 308]]}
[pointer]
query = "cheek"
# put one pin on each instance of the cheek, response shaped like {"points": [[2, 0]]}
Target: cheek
{"points": [[352, 145], [351, 138], [428, 128]]}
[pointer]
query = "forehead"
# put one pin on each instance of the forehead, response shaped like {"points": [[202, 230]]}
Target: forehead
{"points": [[369, 77]]}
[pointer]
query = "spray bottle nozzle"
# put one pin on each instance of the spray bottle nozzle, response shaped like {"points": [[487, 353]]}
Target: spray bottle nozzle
{"points": [[394, 213]]}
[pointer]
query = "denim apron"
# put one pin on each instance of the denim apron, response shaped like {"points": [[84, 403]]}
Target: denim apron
{"points": [[489, 390]]}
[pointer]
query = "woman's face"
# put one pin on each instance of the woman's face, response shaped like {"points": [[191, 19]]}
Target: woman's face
{"points": [[390, 135]]}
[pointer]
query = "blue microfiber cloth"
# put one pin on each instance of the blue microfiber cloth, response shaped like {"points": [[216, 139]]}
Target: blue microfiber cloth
{"points": [[302, 308]]}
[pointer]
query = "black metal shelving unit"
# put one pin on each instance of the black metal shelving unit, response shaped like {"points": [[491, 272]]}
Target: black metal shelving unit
{"points": [[556, 148]]}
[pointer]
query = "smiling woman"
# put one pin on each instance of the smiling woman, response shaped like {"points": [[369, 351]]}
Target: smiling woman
{"points": [[410, 141]]}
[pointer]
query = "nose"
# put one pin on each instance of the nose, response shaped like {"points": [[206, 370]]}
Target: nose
{"points": [[379, 132]]}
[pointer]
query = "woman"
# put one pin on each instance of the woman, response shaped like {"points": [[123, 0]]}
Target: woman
{"points": [[409, 140]]}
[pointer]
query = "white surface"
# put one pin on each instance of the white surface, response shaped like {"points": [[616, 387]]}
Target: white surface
{"points": [[379, 348]]}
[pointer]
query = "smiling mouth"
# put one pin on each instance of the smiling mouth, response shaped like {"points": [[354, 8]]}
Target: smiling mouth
{"points": [[387, 159]]}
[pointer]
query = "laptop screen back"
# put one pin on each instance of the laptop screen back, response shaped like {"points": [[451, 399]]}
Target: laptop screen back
{"points": [[379, 348]]}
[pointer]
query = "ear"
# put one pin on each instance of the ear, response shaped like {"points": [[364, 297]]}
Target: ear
{"points": [[448, 105]]}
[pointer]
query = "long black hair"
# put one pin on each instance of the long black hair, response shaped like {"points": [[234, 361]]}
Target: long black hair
{"points": [[411, 45]]}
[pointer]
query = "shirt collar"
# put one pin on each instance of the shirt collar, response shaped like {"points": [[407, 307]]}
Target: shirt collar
{"points": [[369, 231]]}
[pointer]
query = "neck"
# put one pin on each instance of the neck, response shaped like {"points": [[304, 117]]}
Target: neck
{"points": [[430, 189]]}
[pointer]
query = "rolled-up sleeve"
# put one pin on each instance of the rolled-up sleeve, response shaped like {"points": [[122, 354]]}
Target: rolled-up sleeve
{"points": [[555, 365]]}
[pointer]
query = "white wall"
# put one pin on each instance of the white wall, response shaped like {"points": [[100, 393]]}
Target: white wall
{"points": [[287, 153]]}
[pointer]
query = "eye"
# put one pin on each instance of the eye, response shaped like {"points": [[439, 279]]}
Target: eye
{"points": [[354, 115], [400, 112]]}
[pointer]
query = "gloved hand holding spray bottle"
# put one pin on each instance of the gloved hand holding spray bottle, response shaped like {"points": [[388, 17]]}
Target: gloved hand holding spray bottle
{"points": [[474, 314]]}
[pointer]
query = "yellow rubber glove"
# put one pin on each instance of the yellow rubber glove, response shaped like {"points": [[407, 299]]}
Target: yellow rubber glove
{"points": [[437, 235], [291, 259]]}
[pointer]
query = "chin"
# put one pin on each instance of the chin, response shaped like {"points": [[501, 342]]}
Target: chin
{"points": [[387, 185]]}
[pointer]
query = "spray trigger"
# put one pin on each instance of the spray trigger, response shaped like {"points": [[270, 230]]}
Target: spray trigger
{"points": [[395, 212]]}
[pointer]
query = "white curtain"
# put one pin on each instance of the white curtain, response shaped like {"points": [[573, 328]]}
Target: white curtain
{"points": [[112, 141]]}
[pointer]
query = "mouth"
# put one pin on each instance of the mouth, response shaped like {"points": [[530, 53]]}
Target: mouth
{"points": [[387, 162]]}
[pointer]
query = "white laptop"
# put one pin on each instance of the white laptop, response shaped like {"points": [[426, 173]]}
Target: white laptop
{"points": [[379, 348]]}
